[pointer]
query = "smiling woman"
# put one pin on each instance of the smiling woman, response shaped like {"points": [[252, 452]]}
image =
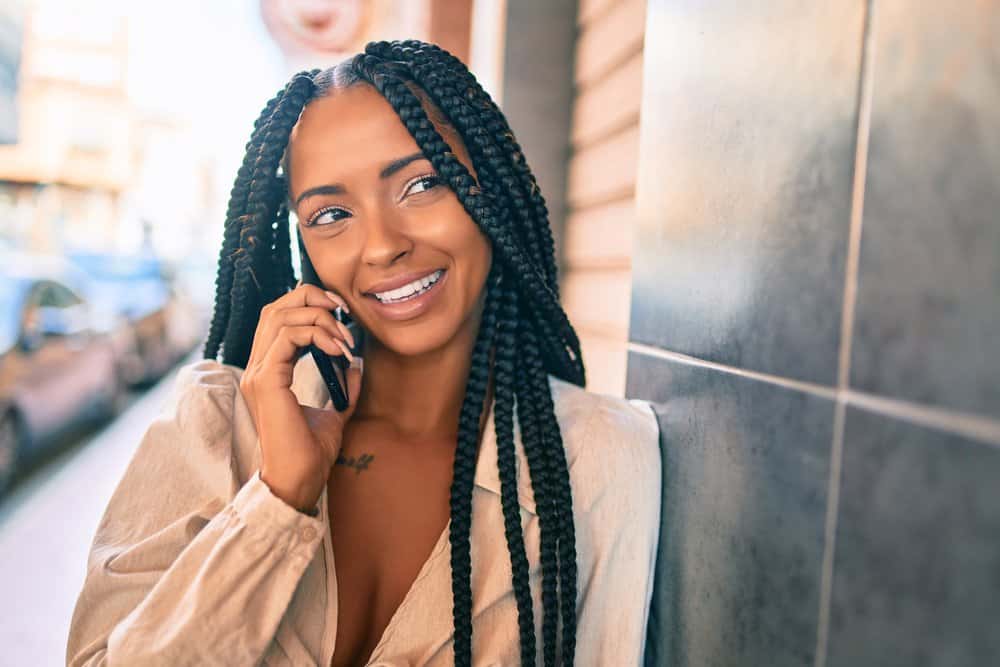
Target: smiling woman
{"points": [[474, 503], [365, 196]]}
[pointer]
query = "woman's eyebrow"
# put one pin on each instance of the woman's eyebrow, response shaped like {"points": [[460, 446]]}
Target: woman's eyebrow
{"points": [[336, 188]]}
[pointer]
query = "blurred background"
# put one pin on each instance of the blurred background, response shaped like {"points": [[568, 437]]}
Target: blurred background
{"points": [[778, 222]]}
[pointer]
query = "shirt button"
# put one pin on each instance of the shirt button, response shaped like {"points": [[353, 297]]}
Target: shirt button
{"points": [[308, 533]]}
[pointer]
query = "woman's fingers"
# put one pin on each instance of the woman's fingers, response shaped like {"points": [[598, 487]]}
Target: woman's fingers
{"points": [[294, 457], [316, 315], [308, 295], [283, 353], [307, 315], [273, 315]]}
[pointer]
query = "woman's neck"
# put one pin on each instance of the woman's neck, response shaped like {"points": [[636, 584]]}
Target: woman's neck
{"points": [[419, 397]]}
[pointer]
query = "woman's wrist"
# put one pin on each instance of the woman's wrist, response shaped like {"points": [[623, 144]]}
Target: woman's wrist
{"points": [[302, 497]]}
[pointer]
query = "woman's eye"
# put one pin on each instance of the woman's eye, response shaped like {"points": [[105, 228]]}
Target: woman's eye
{"points": [[422, 184], [335, 214]]}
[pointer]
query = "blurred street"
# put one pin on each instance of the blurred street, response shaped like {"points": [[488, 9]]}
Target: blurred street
{"points": [[47, 522]]}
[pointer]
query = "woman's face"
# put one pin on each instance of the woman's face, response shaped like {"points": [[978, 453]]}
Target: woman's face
{"points": [[371, 209]]}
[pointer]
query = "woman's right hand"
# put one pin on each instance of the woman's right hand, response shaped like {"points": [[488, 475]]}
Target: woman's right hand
{"points": [[299, 444]]}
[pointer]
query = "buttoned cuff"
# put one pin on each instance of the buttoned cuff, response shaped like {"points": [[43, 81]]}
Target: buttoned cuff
{"points": [[265, 513]]}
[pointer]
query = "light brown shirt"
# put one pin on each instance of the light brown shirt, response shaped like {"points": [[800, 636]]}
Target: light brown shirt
{"points": [[197, 562]]}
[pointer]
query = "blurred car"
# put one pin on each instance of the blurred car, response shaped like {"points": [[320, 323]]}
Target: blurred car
{"points": [[194, 285], [153, 322], [56, 368]]}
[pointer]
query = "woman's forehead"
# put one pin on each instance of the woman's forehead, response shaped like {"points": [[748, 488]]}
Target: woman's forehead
{"points": [[355, 124], [354, 130]]}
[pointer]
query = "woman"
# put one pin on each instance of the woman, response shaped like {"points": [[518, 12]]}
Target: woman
{"points": [[464, 533]]}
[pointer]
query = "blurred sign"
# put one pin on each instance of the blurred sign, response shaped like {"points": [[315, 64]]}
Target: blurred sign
{"points": [[318, 27]]}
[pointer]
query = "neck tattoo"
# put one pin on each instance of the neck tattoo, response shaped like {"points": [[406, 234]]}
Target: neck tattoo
{"points": [[359, 463]]}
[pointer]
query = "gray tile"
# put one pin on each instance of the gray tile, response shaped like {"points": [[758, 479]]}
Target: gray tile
{"points": [[745, 470], [917, 569], [928, 307], [745, 182]]}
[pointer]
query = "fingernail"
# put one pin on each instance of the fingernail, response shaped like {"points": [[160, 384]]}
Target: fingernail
{"points": [[359, 363], [337, 299], [347, 332], [343, 346]]}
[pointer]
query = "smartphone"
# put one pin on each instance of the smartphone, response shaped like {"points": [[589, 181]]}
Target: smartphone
{"points": [[333, 368]]}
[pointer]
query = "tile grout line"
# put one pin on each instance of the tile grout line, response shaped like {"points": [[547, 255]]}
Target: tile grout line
{"points": [[857, 207], [974, 427], [865, 92], [965, 425], [687, 360], [830, 535]]}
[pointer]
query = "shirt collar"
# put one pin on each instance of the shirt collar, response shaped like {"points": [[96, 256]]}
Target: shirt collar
{"points": [[308, 387]]}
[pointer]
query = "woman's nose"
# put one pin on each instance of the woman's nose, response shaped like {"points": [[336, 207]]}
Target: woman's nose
{"points": [[384, 238]]}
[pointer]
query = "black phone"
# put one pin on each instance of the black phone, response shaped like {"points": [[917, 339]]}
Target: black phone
{"points": [[333, 368]]}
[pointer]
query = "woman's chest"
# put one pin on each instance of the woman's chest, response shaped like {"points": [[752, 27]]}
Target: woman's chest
{"points": [[385, 521]]}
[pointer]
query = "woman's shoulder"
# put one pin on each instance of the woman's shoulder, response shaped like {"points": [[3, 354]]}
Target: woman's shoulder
{"points": [[201, 378], [591, 415], [208, 410], [204, 429], [609, 440], [202, 397], [206, 375]]}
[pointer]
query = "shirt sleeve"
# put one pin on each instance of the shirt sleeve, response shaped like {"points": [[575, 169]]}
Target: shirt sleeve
{"points": [[188, 566], [617, 495]]}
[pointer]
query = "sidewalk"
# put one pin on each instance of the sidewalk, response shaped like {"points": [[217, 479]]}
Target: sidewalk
{"points": [[46, 528]]}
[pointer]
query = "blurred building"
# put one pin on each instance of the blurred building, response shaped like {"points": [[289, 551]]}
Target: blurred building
{"points": [[61, 181], [11, 37], [77, 172]]}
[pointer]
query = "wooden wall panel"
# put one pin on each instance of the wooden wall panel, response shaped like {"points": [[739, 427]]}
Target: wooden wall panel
{"points": [[610, 105], [596, 277], [609, 41], [600, 237]]}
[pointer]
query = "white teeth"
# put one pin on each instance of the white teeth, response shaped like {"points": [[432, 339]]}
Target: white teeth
{"points": [[406, 291]]}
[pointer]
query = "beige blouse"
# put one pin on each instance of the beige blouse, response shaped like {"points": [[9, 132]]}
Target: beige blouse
{"points": [[196, 562]]}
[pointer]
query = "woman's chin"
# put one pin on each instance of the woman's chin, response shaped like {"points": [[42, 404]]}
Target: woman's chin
{"points": [[414, 341]]}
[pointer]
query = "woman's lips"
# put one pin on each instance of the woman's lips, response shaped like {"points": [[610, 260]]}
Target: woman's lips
{"points": [[412, 307]]}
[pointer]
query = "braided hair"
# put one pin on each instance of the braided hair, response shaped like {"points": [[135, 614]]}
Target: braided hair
{"points": [[522, 313]]}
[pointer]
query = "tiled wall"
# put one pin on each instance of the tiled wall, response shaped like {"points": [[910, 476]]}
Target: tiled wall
{"points": [[815, 315]]}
